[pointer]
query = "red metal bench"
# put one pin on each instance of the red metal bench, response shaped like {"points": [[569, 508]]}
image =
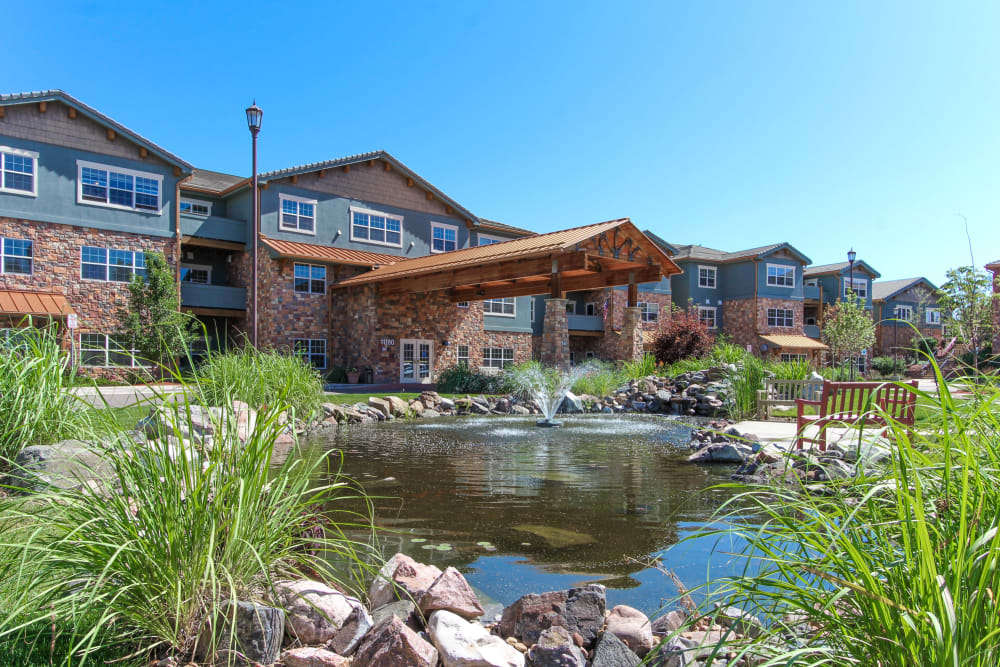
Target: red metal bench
{"points": [[854, 402]]}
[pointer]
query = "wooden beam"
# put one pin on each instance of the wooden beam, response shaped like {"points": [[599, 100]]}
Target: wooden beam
{"points": [[428, 196], [111, 134], [449, 210], [321, 173], [346, 168], [43, 107], [371, 163], [213, 243], [633, 290], [555, 290], [71, 113], [295, 179], [476, 275], [409, 182], [3, 112], [576, 283], [387, 167], [177, 172], [143, 152]]}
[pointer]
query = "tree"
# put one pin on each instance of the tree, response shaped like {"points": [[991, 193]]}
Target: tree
{"points": [[152, 321], [683, 336], [967, 307], [848, 329]]}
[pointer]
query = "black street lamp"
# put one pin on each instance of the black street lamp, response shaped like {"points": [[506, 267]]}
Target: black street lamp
{"points": [[851, 256], [254, 116]]}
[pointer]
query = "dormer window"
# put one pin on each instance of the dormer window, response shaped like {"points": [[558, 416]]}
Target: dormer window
{"points": [[860, 288], [779, 275]]}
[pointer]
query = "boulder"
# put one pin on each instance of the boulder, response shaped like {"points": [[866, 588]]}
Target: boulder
{"points": [[739, 620], [310, 656], [555, 648], [579, 610], [64, 465], [391, 644], [397, 406], [722, 452], [520, 410], [252, 633], [610, 651], [451, 592], [429, 413], [571, 404], [463, 644], [315, 611], [632, 627], [334, 410], [404, 610], [446, 403], [355, 627], [381, 405], [405, 573]]}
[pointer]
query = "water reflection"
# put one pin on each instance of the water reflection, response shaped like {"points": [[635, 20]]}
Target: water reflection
{"points": [[523, 509]]}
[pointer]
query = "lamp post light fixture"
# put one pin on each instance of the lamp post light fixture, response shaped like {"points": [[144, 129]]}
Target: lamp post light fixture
{"points": [[254, 116], [851, 256]]}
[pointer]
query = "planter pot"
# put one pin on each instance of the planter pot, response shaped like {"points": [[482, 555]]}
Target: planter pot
{"points": [[352, 378]]}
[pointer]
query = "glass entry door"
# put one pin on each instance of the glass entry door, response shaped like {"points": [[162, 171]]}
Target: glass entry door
{"points": [[416, 361]]}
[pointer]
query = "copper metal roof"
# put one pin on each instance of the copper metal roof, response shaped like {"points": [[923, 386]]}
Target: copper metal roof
{"points": [[322, 253], [18, 302], [503, 227], [795, 342], [522, 248]]}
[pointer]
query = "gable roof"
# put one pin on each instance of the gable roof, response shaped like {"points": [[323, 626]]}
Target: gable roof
{"points": [[994, 266], [667, 248], [886, 289], [522, 248], [696, 252], [268, 176], [502, 227], [56, 95], [213, 182], [322, 253], [840, 267]]}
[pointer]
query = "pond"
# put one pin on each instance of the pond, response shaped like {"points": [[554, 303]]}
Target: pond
{"points": [[521, 509]]}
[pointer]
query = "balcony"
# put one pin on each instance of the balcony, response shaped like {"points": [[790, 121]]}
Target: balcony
{"points": [[585, 322], [218, 297], [811, 330], [211, 227], [811, 292]]}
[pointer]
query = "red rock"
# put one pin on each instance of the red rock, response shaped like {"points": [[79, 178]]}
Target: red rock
{"points": [[632, 627], [451, 592], [402, 571], [391, 644], [309, 656]]}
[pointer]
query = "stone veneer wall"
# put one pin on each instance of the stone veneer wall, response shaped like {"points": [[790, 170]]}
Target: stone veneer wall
{"points": [[630, 343], [744, 323], [56, 250], [579, 346], [890, 339], [555, 334]]}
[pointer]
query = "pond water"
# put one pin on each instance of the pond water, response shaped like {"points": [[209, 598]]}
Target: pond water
{"points": [[522, 509]]}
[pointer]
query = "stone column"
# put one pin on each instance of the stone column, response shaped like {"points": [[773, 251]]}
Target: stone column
{"points": [[555, 335], [631, 337]]}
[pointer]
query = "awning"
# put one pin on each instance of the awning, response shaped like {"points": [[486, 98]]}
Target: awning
{"points": [[795, 342], [319, 253], [15, 302]]}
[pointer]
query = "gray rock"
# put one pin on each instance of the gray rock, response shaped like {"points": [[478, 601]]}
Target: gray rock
{"points": [[666, 624], [246, 634], [381, 405], [571, 404], [520, 410], [64, 465], [739, 620], [316, 612], [555, 648], [355, 627], [610, 651], [578, 610], [447, 404], [463, 644], [404, 610]]}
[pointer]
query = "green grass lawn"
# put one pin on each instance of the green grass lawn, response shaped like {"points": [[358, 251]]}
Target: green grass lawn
{"points": [[923, 412]]}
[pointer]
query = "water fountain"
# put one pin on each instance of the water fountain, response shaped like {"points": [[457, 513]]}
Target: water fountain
{"points": [[548, 386]]}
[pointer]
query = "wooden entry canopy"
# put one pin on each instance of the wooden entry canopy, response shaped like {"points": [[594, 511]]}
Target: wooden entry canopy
{"points": [[606, 254]]}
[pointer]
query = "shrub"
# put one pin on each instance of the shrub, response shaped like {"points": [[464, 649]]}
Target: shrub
{"points": [[461, 379], [683, 336], [887, 366], [925, 345]]}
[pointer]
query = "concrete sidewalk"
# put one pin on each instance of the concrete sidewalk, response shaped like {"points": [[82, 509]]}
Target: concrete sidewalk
{"points": [[121, 397]]}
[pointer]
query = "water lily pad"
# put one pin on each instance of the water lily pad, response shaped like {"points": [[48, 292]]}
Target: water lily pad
{"points": [[428, 546], [417, 540], [444, 547], [557, 538], [484, 544]]}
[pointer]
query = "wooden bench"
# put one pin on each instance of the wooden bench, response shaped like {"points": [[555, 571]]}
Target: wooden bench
{"points": [[856, 402], [783, 394]]}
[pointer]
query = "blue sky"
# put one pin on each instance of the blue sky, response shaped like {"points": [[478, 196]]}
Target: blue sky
{"points": [[867, 124]]}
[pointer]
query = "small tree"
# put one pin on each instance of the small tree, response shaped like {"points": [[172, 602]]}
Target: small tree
{"points": [[848, 329], [967, 307], [152, 320], [683, 336]]}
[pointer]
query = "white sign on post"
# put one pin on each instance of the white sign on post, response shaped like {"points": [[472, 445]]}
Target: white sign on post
{"points": [[71, 321]]}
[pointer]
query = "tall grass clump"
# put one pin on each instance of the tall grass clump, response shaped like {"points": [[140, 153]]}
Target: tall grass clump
{"points": [[640, 368], [183, 525], [898, 565], [791, 370], [745, 381], [724, 352], [36, 402], [261, 378], [600, 380]]}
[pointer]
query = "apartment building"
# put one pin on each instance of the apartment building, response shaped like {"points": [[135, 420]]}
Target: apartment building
{"points": [[903, 310]]}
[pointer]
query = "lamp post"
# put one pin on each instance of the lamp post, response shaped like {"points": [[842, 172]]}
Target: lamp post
{"points": [[254, 116], [851, 256]]}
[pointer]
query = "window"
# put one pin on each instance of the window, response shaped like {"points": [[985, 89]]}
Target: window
{"points": [[110, 264], [650, 311], [18, 170], [706, 315], [591, 309], [792, 356], [571, 307], [103, 350], [860, 287], [589, 356], [195, 208], [531, 314], [196, 274], [498, 357], [462, 304], [780, 317], [376, 227], [903, 313], [443, 237], [463, 354], [779, 275], [933, 316], [297, 214], [310, 279], [118, 187], [504, 306], [812, 282], [16, 256], [490, 240], [706, 277], [310, 350]]}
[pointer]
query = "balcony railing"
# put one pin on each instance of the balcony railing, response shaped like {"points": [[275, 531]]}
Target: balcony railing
{"points": [[811, 292], [211, 227], [811, 330], [585, 322], [194, 295]]}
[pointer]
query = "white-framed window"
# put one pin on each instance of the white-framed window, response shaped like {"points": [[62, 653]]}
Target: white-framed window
{"points": [[443, 237], [297, 214], [860, 287], [103, 350], [111, 264], [196, 274], [903, 313], [309, 278], [462, 304], [498, 357], [706, 315], [780, 317], [311, 350], [485, 239], [811, 282], [531, 312], [369, 226], [650, 311], [196, 207], [571, 307], [117, 187], [17, 256], [463, 354], [18, 171], [779, 275], [590, 309], [933, 316], [505, 306], [793, 356], [707, 277]]}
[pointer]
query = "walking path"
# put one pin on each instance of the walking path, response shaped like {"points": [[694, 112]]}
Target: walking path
{"points": [[120, 397]]}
